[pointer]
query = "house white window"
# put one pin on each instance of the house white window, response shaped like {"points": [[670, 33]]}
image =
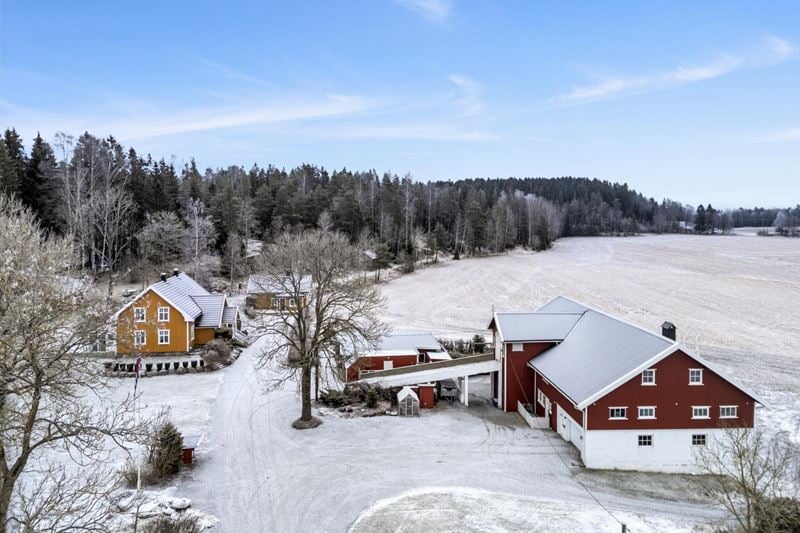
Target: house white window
{"points": [[516, 347], [645, 440], [700, 411], [139, 338], [617, 413], [695, 376], [649, 376], [647, 412], [699, 440], [139, 314], [292, 302], [163, 314], [729, 411], [540, 397], [163, 336]]}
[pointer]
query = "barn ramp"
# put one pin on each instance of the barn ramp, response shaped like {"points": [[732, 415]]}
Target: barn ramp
{"points": [[456, 369]]}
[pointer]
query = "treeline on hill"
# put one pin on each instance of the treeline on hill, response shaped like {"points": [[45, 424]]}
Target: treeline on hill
{"points": [[125, 209]]}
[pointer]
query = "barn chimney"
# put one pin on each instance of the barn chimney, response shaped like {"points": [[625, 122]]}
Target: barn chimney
{"points": [[175, 272], [668, 330], [163, 276]]}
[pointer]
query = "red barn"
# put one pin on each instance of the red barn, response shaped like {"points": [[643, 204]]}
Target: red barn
{"points": [[626, 397]]}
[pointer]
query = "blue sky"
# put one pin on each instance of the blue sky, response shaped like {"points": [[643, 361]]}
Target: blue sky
{"points": [[697, 101]]}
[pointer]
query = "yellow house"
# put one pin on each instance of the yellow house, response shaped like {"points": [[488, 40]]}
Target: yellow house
{"points": [[174, 315]]}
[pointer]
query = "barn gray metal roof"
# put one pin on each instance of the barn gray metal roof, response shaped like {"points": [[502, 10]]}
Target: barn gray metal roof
{"points": [[562, 304], [212, 306], [596, 353], [535, 326]]}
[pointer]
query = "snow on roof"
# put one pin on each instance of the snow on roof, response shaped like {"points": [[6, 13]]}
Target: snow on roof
{"points": [[261, 284], [406, 391], [439, 356], [211, 306], [409, 341], [229, 315], [535, 326], [179, 291], [596, 353], [562, 304]]}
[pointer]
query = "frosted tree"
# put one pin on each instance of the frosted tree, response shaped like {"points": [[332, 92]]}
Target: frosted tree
{"points": [[325, 332], [48, 313]]}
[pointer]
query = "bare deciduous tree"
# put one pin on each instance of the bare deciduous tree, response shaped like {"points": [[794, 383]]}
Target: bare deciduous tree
{"points": [[200, 234], [47, 315], [746, 470], [325, 332]]}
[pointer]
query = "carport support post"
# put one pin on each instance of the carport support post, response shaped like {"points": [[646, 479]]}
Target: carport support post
{"points": [[466, 391]]}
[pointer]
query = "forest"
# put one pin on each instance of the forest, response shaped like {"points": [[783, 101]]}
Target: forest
{"points": [[127, 211]]}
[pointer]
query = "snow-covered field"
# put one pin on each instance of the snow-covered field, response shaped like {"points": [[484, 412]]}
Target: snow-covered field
{"points": [[732, 299]]}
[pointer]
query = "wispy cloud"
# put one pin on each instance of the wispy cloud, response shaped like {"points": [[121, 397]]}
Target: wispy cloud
{"points": [[772, 51], [230, 73], [785, 135], [433, 10], [470, 101], [431, 131]]}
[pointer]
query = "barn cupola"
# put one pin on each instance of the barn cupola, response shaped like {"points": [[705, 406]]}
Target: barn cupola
{"points": [[668, 330]]}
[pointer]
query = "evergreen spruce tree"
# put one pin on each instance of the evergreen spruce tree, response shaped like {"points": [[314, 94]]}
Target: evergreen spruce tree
{"points": [[13, 163], [165, 457], [36, 190]]}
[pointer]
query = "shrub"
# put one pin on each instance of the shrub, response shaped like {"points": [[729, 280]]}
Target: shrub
{"points": [[332, 398], [165, 456], [217, 354], [778, 515], [372, 398], [173, 524]]}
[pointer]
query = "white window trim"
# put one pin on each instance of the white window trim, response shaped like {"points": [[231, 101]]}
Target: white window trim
{"points": [[144, 315], [639, 412], [292, 302], [625, 407], [517, 347], [653, 370], [161, 308], [136, 333], [652, 441], [695, 383], [706, 407], [705, 439], [735, 409], [168, 337]]}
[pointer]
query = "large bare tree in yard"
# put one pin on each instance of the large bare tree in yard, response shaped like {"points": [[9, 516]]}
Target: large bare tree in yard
{"points": [[54, 436], [320, 334], [753, 477]]}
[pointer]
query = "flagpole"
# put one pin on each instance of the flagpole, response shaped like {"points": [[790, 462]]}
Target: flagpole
{"points": [[137, 367]]}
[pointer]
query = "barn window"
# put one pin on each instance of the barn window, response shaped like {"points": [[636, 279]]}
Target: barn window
{"points": [[728, 411], [645, 440], [139, 338], [695, 376], [649, 376], [700, 411], [163, 336], [139, 314], [617, 413], [646, 413], [163, 314], [699, 440], [516, 347]]}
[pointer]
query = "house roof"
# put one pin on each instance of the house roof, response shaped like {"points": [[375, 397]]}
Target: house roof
{"points": [[229, 315], [534, 326], [260, 284], [211, 306]]}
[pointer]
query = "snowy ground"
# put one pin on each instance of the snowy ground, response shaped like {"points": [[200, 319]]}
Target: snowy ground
{"points": [[731, 297]]}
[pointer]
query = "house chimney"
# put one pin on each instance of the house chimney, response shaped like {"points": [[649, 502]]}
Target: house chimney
{"points": [[175, 272], [668, 330], [163, 276]]}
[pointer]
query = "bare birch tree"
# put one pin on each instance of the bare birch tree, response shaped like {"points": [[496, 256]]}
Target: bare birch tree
{"points": [[47, 315], [746, 471], [325, 332]]}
